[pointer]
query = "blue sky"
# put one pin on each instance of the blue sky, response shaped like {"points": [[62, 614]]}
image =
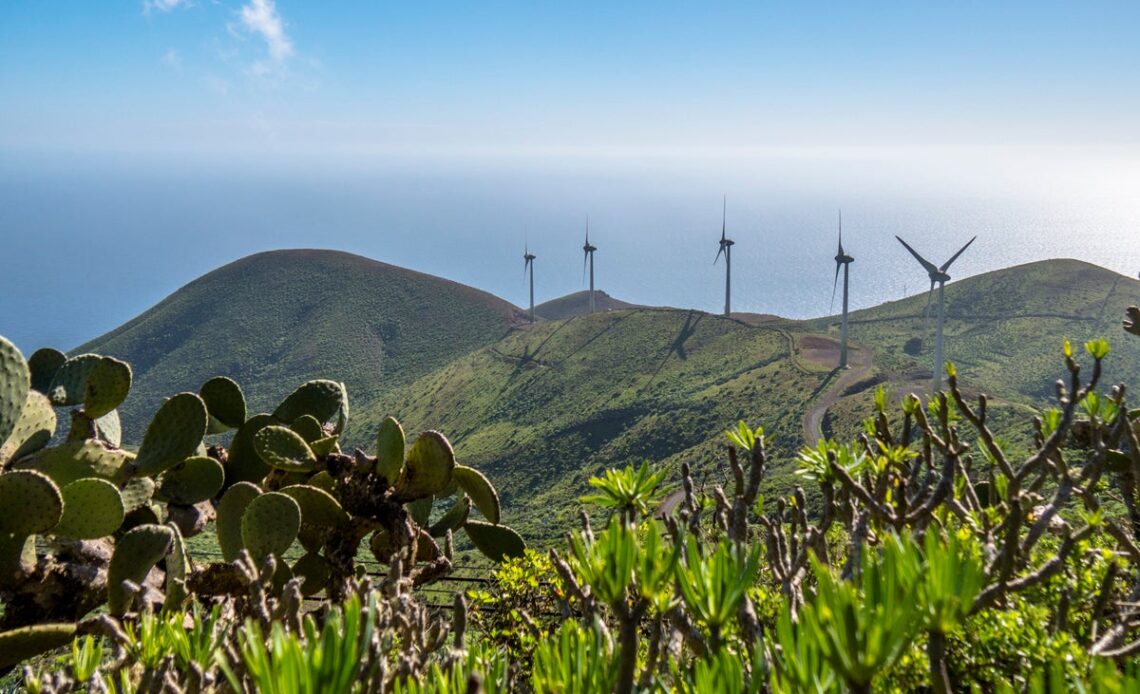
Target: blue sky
{"points": [[146, 142], [359, 79]]}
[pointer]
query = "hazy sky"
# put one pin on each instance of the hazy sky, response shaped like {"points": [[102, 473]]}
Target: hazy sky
{"points": [[359, 79], [143, 143]]}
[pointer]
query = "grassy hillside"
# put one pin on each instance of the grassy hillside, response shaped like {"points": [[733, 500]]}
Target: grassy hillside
{"points": [[545, 408], [541, 408], [275, 319], [1004, 328], [578, 304]]}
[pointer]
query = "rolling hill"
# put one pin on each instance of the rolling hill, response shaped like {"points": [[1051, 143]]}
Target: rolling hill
{"points": [[547, 407], [578, 304], [275, 319], [543, 407]]}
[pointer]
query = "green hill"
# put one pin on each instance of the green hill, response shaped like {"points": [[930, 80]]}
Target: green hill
{"points": [[542, 407], [1004, 328], [275, 319], [547, 407]]}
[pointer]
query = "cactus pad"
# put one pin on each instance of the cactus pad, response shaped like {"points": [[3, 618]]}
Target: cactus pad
{"points": [[136, 553], [17, 645], [107, 386], [244, 464], [284, 449], [318, 507], [497, 542], [420, 510], [177, 565], [427, 467], [308, 427], [230, 510], [314, 572], [480, 490], [173, 435], [390, 449], [43, 364], [326, 446], [75, 460], [323, 400], [192, 481], [137, 493], [109, 429], [98, 383], [33, 429], [15, 381], [29, 503], [270, 524], [225, 402], [453, 519], [322, 480], [92, 508]]}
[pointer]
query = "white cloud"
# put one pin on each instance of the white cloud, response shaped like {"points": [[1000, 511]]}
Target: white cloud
{"points": [[260, 17], [164, 5]]}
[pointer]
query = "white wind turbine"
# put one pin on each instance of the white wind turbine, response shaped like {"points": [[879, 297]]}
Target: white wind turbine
{"points": [[528, 264], [937, 276], [726, 250], [842, 260], [589, 257]]}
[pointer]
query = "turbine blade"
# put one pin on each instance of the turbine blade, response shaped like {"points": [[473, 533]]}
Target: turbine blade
{"points": [[840, 232], [834, 286], [926, 311], [946, 265], [585, 257], [723, 217], [719, 254], [925, 263]]}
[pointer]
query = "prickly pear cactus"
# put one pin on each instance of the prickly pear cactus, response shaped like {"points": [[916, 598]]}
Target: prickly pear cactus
{"points": [[85, 523], [15, 381], [92, 508]]}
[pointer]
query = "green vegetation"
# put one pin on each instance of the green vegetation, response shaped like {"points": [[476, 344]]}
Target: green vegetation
{"points": [[275, 319], [937, 560], [86, 526], [542, 408]]}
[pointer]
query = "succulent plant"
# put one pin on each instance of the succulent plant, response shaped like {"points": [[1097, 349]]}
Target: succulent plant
{"points": [[113, 521]]}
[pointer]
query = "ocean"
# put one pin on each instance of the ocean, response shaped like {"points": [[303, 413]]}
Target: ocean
{"points": [[92, 241]]}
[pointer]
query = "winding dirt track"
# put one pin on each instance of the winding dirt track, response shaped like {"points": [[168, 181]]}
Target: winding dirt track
{"points": [[825, 351]]}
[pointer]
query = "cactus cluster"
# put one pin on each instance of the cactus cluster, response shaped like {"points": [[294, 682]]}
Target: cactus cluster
{"points": [[84, 521]]}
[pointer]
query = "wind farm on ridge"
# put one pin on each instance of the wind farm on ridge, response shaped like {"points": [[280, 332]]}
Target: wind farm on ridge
{"points": [[937, 274]]}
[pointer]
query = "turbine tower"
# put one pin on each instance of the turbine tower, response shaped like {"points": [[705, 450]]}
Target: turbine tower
{"points": [[528, 264], [725, 249], [589, 258], [842, 260], [937, 276]]}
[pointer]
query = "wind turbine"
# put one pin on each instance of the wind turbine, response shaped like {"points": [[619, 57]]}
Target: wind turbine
{"points": [[842, 260], [589, 257], [937, 275], [528, 264], [725, 249]]}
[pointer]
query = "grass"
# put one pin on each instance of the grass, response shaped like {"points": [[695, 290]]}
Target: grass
{"points": [[542, 408], [273, 320]]}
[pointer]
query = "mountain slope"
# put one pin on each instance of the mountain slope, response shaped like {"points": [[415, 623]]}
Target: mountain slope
{"points": [[275, 319], [578, 304], [1004, 328], [547, 407]]}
